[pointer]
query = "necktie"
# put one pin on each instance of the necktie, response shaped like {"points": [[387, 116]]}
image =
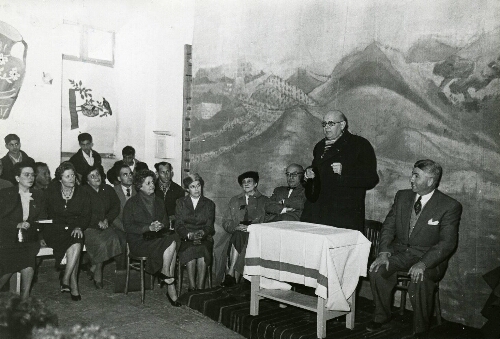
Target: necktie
{"points": [[128, 192], [418, 205]]}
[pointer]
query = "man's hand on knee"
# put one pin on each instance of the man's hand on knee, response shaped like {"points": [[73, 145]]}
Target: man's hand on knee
{"points": [[382, 259], [416, 272]]}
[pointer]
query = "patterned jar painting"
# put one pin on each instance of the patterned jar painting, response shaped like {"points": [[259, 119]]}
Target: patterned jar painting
{"points": [[12, 69]]}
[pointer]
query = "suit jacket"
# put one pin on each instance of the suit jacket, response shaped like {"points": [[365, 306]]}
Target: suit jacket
{"points": [[8, 167], [82, 166], [237, 208], [118, 222], [295, 201], [104, 205], [435, 234], [11, 214], [339, 200], [170, 198], [188, 219], [112, 173]]}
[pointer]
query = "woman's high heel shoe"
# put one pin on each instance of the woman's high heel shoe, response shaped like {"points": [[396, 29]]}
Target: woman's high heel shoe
{"points": [[76, 297], [65, 288], [165, 279], [175, 303]]}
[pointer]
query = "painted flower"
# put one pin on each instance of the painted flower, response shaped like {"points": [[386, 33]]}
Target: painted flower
{"points": [[3, 59], [13, 74]]}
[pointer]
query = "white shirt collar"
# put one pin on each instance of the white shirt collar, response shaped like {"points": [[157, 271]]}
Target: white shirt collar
{"points": [[124, 189], [195, 201], [425, 198], [89, 158]]}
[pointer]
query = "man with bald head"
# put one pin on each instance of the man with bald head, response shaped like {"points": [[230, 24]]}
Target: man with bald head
{"points": [[343, 168], [287, 202]]}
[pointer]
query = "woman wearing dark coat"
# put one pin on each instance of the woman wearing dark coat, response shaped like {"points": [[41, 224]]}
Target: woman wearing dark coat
{"points": [[101, 241], [20, 208], [69, 208], [143, 217], [194, 222]]}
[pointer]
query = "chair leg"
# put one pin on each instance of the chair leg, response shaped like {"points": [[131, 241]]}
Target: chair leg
{"points": [[143, 290], [402, 306], [438, 308], [179, 278], [127, 277]]}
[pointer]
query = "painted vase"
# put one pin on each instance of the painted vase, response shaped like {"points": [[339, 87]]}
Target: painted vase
{"points": [[12, 69]]}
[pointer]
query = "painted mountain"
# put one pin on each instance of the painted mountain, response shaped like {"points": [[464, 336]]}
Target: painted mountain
{"points": [[434, 101]]}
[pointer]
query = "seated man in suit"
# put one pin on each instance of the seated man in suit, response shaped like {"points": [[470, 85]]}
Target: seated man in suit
{"points": [[128, 154], [166, 189], [287, 202], [13, 156], [418, 236], [244, 209], [125, 190], [86, 157]]}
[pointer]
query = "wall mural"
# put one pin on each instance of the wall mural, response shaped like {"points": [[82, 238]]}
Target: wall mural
{"points": [[12, 67], [415, 80]]}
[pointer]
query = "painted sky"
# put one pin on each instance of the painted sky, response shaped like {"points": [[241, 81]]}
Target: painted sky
{"points": [[319, 33]]}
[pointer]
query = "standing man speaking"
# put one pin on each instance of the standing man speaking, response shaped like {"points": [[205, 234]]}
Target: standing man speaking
{"points": [[343, 168]]}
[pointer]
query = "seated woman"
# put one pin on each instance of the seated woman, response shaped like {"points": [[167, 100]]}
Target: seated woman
{"points": [[101, 241], [20, 208], [69, 208], [194, 222], [143, 216], [244, 209]]}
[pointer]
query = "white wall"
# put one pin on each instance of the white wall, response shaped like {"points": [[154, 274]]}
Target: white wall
{"points": [[148, 82]]}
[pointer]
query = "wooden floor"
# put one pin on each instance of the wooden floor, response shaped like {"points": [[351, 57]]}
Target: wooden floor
{"points": [[230, 306]]}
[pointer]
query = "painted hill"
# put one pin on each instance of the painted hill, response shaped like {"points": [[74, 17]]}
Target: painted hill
{"points": [[306, 80], [429, 49]]}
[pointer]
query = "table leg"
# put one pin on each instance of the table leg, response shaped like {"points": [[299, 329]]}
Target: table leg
{"points": [[349, 319], [254, 298], [321, 319]]}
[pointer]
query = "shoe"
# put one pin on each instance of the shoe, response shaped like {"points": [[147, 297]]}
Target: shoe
{"points": [[192, 289], [90, 275], [98, 285], [65, 288], [76, 297], [175, 303], [421, 335], [228, 281], [164, 279], [375, 326]]}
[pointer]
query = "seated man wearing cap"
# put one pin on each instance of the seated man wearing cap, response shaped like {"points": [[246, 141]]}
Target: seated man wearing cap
{"points": [[15, 155], [244, 209]]}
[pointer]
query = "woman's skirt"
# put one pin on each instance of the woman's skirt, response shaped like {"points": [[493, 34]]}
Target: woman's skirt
{"points": [[58, 236], [16, 257], [102, 245], [239, 240], [153, 249], [190, 251]]}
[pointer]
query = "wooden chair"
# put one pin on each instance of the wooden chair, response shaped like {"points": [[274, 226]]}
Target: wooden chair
{"points": [[402, 285], [179, 276], [137, 265], [372, 233]]}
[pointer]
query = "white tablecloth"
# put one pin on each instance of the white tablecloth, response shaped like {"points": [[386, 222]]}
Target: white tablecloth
{"points": [[329, 259]]}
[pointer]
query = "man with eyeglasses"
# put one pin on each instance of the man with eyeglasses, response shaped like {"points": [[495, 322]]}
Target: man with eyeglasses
{"points": [[287, 202], [343, 168], [13, 156]]}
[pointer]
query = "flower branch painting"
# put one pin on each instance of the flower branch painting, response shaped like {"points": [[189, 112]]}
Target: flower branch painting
{"points": [[89, 107]]}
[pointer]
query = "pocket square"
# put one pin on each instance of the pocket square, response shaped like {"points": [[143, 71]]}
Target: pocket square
{"points": [[433, 222]]}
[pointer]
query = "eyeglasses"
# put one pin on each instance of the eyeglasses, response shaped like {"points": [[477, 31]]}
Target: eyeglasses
{"points": [[293, 175], [331, 123], [29, 175], [95, 176]]}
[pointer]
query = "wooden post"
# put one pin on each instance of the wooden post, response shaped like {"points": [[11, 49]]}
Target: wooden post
{"points": [[254, 298]]}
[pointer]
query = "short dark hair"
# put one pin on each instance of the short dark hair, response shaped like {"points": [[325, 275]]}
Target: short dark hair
{"points": [[84, 137], [163, 163], [11, 137], [19, 317], [190, 178], [128, 150], [140, 176], [18, 167], [90, 169], [431, 167], [119, 168], [39, 164], [64, 166], [250, 174]]}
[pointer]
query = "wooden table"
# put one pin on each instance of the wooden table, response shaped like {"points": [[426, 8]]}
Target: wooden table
{"points": [[329, 259]]}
